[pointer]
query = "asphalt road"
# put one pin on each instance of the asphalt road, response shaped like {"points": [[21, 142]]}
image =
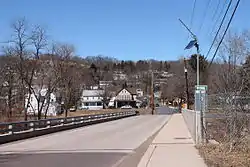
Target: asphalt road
{"points": [[102, 145], [164, 110]]}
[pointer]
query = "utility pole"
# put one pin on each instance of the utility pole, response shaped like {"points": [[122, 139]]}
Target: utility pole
{"points": [[199, 123], [202, 128], [152, 90], [198, 63], [186, 80]]}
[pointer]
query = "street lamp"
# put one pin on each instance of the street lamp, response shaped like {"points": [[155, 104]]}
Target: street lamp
{"points": [[191, 44]]}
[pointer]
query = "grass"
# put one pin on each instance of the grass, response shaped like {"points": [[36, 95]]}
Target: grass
{"points": [[221, 156], [216, 129]]}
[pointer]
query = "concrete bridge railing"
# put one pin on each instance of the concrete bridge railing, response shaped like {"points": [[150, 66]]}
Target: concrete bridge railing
{"points": [[21, 130]]}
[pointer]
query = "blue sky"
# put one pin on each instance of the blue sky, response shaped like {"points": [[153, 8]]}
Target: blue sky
{"points": [[124, 29]]}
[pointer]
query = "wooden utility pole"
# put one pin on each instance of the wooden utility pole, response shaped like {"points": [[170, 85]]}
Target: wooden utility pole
{"points": [[186, 80], [152, 89], [152, 92]]}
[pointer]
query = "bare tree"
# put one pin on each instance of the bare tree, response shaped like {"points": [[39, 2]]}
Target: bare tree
{"points": [[231, 82], [8, 87], [53, 76], [106, 96], [38, 77], [28, 47], [70, 77], [18, 46]]}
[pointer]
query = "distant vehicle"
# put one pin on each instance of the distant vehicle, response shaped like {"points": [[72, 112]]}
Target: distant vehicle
{"points": [[126, 107], [84, 108], [72, 109]]}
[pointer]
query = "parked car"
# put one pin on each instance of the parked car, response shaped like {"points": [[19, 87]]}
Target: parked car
{"points": [[126, 107], [72, 109], [84, 108]]}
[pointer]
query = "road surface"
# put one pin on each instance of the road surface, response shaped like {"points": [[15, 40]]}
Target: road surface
{"points": [[164, 110], [102, 145]]}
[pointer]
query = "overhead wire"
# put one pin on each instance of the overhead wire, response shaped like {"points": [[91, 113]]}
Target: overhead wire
{"points": [[216, 10], [219, 16], [217, 33], [204, 15], [192, 15], [218, 5], [191, 20], [228, 25]]}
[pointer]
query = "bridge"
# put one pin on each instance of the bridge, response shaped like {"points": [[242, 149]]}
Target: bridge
{"points": [[139, 140]]}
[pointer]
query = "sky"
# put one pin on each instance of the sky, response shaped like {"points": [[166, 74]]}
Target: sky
{"points": [[124, 29]]}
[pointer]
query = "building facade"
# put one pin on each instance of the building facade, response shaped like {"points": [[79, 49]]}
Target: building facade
{"points": [[92, 99], [125, 96], [44, 104]]}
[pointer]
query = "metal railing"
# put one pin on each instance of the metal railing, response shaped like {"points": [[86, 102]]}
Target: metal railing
{"points": [[14, 128]]}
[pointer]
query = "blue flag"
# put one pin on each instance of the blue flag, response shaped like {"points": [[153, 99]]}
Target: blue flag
{"points": [[191, 44]]}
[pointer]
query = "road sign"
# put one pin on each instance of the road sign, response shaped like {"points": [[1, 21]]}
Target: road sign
{"points": [[201, 98], [201, 87]]}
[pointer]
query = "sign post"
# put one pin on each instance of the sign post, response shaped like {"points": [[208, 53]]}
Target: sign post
{"points": [[200, 109]]}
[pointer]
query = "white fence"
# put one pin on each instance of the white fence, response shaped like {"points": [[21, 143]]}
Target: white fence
{"points": [[190, 119]]}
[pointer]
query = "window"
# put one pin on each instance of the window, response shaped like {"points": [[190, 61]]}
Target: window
{"points": [[93, 98], [87, 98], [92, 104], [99, 104]]}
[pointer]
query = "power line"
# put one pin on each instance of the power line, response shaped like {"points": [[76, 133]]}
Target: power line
{"points": [[191, 21], [204, 15], [192, 15], [222, 21], [216, 10], [238, 2], [218, 18]]}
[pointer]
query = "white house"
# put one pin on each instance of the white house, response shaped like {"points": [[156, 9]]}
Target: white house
{"points": [[50, 106], [125, 96], [139, 92], [92, 99]]}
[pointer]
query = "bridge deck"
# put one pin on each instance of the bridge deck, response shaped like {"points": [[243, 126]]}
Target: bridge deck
{"points": [[102, 145]]}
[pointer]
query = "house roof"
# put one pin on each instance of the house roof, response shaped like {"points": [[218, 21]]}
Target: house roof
{"points": [[88, 93], [130, 90]]}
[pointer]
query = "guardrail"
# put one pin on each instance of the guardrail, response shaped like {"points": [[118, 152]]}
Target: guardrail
{"points": [[20, 130]]}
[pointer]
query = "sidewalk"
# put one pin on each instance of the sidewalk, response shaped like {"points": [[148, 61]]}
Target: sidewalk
{"points": [[172, 147]]}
